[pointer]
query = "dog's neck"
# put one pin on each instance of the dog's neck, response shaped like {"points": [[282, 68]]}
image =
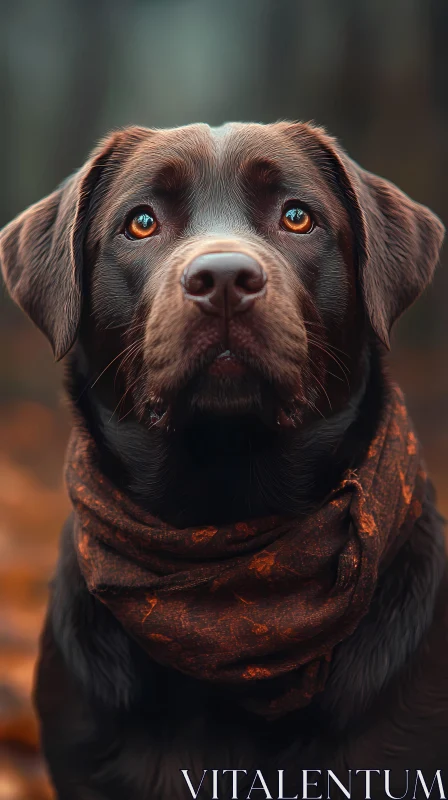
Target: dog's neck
{"points": [[222, 470]]}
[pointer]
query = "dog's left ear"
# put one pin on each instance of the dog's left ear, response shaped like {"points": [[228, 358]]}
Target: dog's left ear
{"points": [[41, 250], [397, 240]]}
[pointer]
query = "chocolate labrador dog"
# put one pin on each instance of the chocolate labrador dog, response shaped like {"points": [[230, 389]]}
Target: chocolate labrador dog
{"points": [[253, 578]]}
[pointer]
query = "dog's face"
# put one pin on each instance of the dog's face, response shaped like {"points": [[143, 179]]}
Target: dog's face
{"points": [[223, 271], [233, 257]]}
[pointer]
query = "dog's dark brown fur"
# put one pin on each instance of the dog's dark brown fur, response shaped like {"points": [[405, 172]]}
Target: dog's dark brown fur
{"points": [[114, 724]]}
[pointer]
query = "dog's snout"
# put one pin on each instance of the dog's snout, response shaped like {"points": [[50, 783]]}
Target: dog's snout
{"points": [[224, 283]]}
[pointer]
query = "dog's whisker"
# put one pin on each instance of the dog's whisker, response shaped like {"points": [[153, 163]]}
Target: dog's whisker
{"points": [[127, 328], [324, 391], [329, 348], [315, 408], [130, 354], [112, 362], [338, 362], [122, 399]]}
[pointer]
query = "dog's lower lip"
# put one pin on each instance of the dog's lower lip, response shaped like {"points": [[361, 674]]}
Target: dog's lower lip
{"points": [[227, 365]]}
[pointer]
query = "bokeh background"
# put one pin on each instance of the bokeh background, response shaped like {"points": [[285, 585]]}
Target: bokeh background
{"points": [[376, 74]]}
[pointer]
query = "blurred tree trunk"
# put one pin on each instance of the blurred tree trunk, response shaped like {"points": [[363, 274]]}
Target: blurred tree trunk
{"points": [[87, 83], [437, 11]]}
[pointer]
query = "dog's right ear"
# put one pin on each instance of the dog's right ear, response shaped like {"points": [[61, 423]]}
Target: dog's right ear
{"points": [[397, 241], [41, 250]]}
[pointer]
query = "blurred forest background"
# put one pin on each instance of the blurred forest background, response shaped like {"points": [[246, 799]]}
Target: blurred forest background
{"points": [[374, 73]]}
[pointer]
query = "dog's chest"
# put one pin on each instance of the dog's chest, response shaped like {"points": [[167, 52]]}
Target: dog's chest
{"points": [[189, 755]]}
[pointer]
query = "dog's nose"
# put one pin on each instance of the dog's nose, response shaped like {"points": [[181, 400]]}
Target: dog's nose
{"points": [[224, 283]]}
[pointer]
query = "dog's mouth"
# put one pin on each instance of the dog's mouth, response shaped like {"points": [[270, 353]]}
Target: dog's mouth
{"points": [[228, 385], [227, 365]]}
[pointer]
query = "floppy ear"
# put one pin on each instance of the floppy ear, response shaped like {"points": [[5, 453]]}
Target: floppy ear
{"points": [[397, 240], [41, 251]]}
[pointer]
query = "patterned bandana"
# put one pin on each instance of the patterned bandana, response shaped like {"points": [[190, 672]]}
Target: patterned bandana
{"points": [[259, 604]]}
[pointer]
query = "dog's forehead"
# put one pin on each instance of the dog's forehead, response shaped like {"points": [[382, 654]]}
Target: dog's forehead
{"points": [[200, 150]]}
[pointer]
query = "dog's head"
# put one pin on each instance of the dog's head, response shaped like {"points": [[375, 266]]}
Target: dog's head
{"points": [[236, 269]]}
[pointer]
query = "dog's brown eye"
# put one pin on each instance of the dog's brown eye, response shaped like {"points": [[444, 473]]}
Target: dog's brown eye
{"points": [[297, 220], [141, 224]]}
